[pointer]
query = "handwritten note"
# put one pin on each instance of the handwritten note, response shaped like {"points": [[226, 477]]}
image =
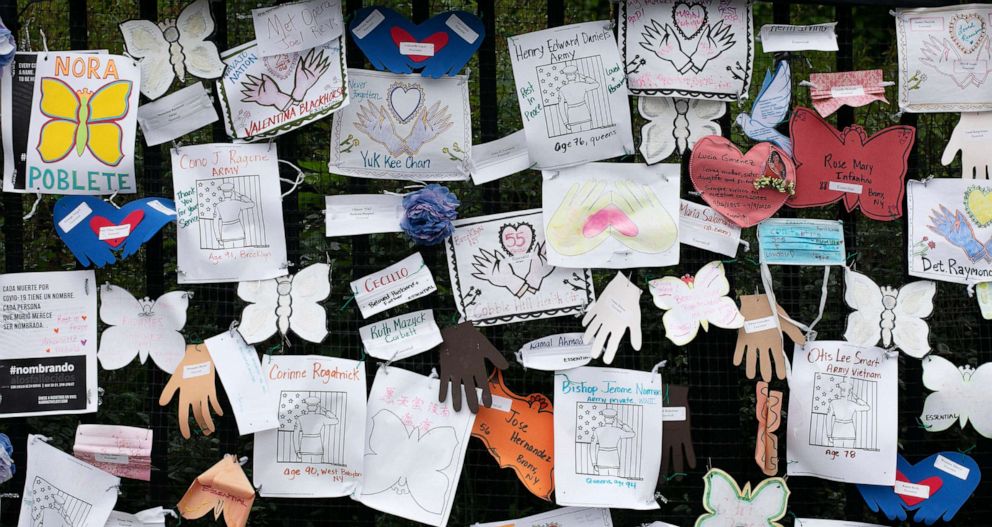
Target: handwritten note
{"points": [[795, 241], [296, 26], [401, 336], [701, 226], [176, 114], [397, 284], [352, 214], [782, 37], [247, 389], [124, 451]]}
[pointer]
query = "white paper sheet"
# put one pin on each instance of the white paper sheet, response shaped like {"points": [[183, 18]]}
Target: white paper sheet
{"points": [[229, 207], [843, 412], [701, 226], [415, 448], [784, 37], [296, 26], [563, 517], [500, 158], [351, 214], [401, 336], [572, 94], [48, 363], [607, 431], [241, 374], [950, 230], [405, 280], [613, 216], [145, 518], [316, 451], [177, 114]]}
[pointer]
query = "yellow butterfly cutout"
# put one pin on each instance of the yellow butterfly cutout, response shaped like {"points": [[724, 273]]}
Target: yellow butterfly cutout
{"points": [[83, 120]]}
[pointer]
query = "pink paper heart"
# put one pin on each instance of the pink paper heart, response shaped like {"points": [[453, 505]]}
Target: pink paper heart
{"points": [[608, 217]]}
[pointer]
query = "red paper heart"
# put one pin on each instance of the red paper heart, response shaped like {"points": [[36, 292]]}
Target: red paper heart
{"points": [[725, 179], [933, 483], [132, 219], [400, 35]]}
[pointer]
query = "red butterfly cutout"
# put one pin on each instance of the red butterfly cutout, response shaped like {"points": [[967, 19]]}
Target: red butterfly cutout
{"points": [[864, 171], [438, 40]]}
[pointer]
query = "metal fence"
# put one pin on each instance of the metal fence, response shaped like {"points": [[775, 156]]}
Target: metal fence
{"points": [[721, 398]]}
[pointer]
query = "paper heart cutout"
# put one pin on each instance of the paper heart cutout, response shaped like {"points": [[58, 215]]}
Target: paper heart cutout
{"points": [[726, 178], [98, 223], [978, 203], [517, 238], [78, 220], [967, 31], [379, 32], [690, 18], [933, 483], [609, 217], [404, 100]]}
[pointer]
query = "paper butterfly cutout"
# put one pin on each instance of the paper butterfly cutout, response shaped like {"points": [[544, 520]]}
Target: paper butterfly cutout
{"points": [[389, 440], [947, 492], [830, 91], [692, 120], [866, 171], [284, 303], [440, 46], [887, 314], [727, 504], [172, 48], [139, 328], [961, 394], [89, 218], [694, 302], [768, 411], [83, 121], [223, 488], [770, 108]]}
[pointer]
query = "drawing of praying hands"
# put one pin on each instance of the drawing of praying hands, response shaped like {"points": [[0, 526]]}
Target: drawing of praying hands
{"points": [[567, 230], [427, 126], [956, 229], [665, 45], [308, 71], [538, 268], [490, 267], [375, 123], [654, 230], [716, 39], [265, 91]]}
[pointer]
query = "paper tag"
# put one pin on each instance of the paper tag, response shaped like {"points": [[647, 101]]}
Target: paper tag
{"points": [[456, 25], [72, 219], [351, 214], [157, 205], [853, 188], [701, 226], [114, 232], [952, 468], [501, 403], [930, 23], [397, 284], [117, 459], [401, 336], [783, 37], [984, 293], [759, 324], [912, 490], [847, 91], [673, 413], [176, 114], [424, 49], [556, 352], [196, 370], [500, 158], [371, 22]]}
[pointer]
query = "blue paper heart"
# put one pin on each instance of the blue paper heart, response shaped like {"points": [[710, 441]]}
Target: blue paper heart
{"points": [[942, 503], [79, 220], [454, 36]]}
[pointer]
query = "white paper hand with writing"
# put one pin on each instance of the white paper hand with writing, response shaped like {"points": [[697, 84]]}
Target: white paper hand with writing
{"points": [[284, 303], [608, 318], [887, 314], [961, 393], [697, 301], [142, 328]]}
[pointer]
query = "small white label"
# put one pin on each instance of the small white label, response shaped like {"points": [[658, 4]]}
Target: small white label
{"points": [[423, 49], [980, 134], [73, 218], [117, 459], [912, 490], [374, 19], [853, 188], [113, 232], [952, 468], [673, 413], [456, 25], [847, 91], [501, 403], [196, 370], [759, 324], [930, 23], [157, 205]]}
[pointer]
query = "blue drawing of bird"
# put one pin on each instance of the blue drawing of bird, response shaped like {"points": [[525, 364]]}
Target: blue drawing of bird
{"points": [[770, 108]]}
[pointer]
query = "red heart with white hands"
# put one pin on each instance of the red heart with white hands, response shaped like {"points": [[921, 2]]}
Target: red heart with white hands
{"points": [[99, 223]]}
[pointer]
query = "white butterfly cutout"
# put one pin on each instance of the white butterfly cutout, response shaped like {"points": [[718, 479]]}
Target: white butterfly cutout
{"points": [[959, 394], [676, 124], [173, 47], [142, 328], [284, 303], [727, 505], [883, 313], [409, 461], [691, 302]]}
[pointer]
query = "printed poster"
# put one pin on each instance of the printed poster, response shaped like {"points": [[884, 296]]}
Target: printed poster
{"points": [[403, 127], [316, 452], [843, 413], [500, 271], [263, 97], [229, 209], [950, 230], [83, 122], [48, 363], [608, 425], [685, 48], [572, 94]]}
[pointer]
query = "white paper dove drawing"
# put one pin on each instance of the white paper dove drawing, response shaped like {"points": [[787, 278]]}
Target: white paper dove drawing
{"points": [[961, 393], [173, 48], [674, 125], [284, 303], [889, 315], [142, 328], [770, 109]]}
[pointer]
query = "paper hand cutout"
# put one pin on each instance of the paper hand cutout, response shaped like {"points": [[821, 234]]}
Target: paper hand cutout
{"points": [[760, 339], [464, 353], [694, 302], [223, 488], [172, 48], [770, 109], [971, 136], [95, 230], [692, 119], [194, 380], [7, 468], [768, 410], [391, 42], [284, 303], [961, 394], [616, 310], [727, 504], [677, 451], [883, 313], [265, 91], [139, 328], [948, 493]]}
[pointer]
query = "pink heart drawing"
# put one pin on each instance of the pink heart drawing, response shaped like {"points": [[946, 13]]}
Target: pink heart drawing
{"points": [[83, 341], [689, 17], [517, 238], [607, 217]]}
